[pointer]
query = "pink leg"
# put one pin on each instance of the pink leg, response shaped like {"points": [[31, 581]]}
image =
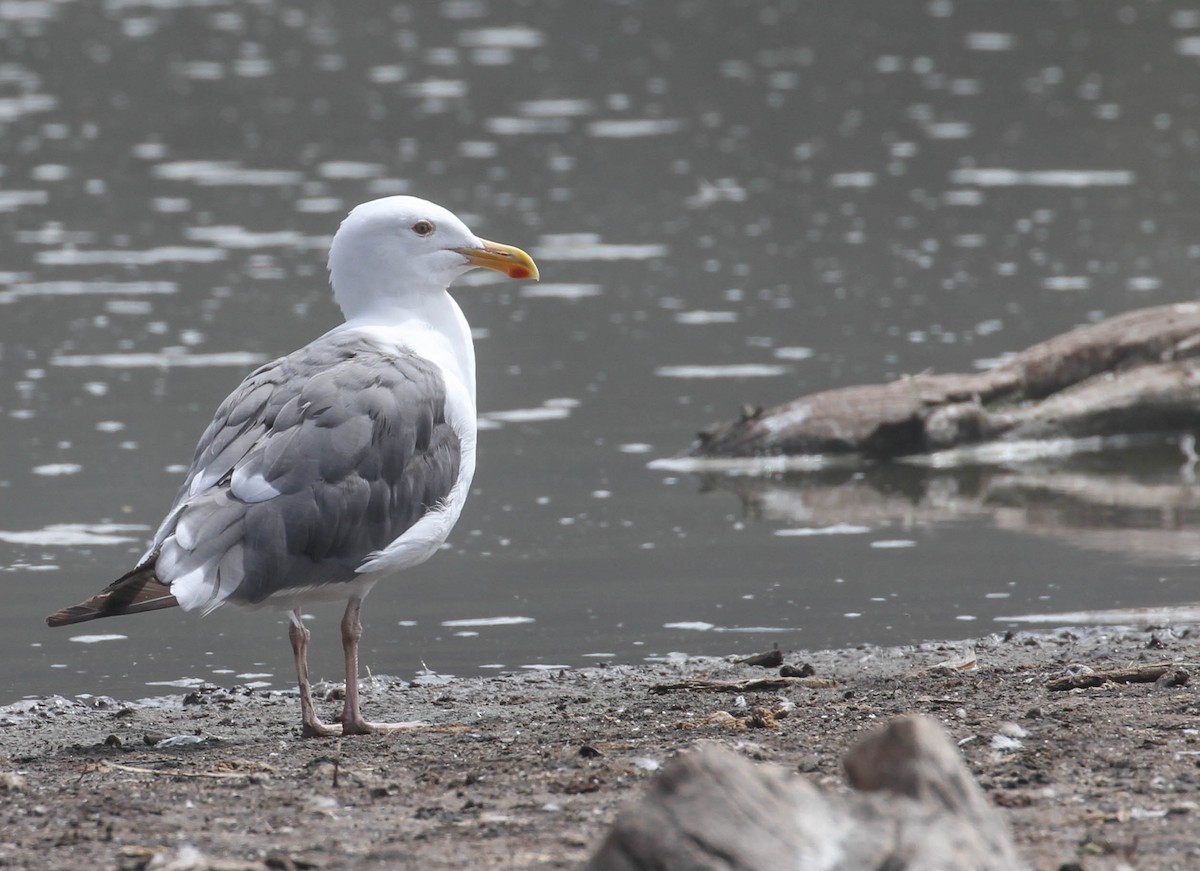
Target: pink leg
{"points": [[352, 719], [312, 727]]}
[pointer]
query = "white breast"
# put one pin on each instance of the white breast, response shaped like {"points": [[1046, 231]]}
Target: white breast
{"points": [[423, 539]]}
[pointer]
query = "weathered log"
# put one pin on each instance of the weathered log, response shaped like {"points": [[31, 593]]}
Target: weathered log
{"points": [[1131, 374], [919, 808], [1135, 674]]}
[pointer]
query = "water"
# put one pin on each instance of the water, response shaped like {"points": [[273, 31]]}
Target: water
{"points": [[731, 203]]}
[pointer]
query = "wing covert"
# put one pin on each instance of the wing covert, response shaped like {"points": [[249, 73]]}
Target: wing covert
{"points": [[316, 460]]}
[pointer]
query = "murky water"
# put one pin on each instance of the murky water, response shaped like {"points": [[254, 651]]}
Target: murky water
{"points": [[730, 202]]}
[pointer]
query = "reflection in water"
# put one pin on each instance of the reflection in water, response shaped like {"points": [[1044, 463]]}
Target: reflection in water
{"points": [[1132, 502]]}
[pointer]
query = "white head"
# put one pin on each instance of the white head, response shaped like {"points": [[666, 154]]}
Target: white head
{"points": [[392, 252]]}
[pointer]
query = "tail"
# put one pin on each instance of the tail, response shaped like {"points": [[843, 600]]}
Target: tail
{"points": [[138, 591]]}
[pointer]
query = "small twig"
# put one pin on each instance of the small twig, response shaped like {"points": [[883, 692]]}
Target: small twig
{"points": [[1136, 674], [764, 684], [137, 769]]}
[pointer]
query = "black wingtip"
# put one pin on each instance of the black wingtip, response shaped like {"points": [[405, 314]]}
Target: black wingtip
{"points": [[67, 616], [134, 593]]}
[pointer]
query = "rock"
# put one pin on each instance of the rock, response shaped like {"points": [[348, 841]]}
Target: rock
{"points": [[766, 659], [918, 807], [11, 781]]}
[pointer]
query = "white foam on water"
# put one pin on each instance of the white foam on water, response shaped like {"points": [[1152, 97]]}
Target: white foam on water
{"points": [[588, 246], [635, 448], [700, 317], [693, 625], [88, 288], [963, 198], [733, 370], [1068, 178], [633, 128], [723, 190], [1188, 46], [202, 70], [478, 149], [150, 257], [796, 352], [96, 639], [832, 529], [225, 172], [488, 621], [320, 205], [701, 626], [58, 469], [516, 36], [350, 169], [231, 236], [556, 408], [164, 359], [12, 108], [1067, 282], [182, 683], [1113, 616], [387, 74], [861, 180], [10, 201], [527, 415], [555, 108], [559, 291], [508, 126], [949, 130], [76, 534], [990, 41], [128, 307], [437, 89]]}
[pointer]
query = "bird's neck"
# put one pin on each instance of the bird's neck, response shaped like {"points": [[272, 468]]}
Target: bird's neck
{"points": [[429, 323]]}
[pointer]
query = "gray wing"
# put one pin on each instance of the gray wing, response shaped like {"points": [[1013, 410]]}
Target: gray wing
{"points": [[315, 461]]}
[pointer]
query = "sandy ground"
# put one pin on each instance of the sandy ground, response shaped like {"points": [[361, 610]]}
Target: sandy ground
{"points": [[528, 770]]}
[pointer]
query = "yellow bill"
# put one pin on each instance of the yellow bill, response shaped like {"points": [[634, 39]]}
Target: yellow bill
{"points": [[513, 262]]}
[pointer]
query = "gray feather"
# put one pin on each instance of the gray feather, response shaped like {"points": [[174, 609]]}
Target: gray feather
{"points": [[315, 461]]}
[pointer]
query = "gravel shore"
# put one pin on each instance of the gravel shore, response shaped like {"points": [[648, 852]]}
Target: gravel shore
{"points": [[527, 770]]}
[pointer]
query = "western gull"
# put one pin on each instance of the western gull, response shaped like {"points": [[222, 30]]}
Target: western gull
{"points": [[342, 463]]}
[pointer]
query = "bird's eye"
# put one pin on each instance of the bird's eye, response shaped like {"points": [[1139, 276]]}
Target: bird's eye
{"points": [[423, 228]]}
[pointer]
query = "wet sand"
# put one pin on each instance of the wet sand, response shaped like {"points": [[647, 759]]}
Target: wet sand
{"points": [[528, 770]]}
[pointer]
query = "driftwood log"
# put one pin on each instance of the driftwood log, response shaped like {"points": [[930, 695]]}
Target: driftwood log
{"points": [[1134, 674], [918, 808], [1137, 373]]}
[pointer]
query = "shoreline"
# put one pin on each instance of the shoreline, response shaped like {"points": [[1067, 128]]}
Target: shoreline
{"points": [[528, 770]]}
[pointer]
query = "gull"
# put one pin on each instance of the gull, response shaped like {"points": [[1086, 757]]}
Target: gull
{"points": [[340, 464]]}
